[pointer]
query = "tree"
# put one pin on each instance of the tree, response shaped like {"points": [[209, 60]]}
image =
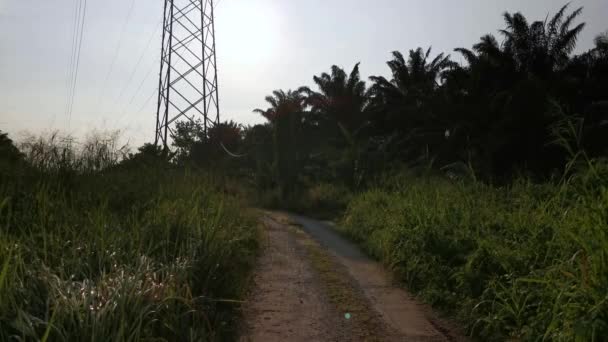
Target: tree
{"points": [[505, 94], [8, 151], [601, 44], [339, 117], [286, 117], [187, 137], [406, 108], [10, 156], [541, 48], [339, 104]]}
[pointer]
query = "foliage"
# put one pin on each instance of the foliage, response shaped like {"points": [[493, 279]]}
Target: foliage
{"points": [[520, 262], [138, 250], [285, 114], [9, 153], [494, 113], [100, 243], [340, 101]]}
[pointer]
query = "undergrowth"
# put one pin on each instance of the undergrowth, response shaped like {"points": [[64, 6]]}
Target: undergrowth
{"points": [[131, 251], [521, 262]]}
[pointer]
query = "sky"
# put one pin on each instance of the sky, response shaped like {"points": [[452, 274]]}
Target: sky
{"points": [[262, 45]]}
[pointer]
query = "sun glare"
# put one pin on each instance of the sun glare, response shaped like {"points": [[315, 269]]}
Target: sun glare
{"points": [[249, 30]]}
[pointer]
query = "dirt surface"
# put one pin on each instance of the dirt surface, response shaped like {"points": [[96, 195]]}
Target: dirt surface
{"points": [[313, 285]]}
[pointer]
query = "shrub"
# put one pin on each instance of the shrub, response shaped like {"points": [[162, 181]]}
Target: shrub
{"points": [[140, 252], [526, 261]]}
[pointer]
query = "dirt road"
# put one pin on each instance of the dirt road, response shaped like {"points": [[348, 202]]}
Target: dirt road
{"points": [[313, 285]]}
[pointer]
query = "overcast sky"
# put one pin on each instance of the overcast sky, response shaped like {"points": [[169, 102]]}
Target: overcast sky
{"points": [[262, 45]]}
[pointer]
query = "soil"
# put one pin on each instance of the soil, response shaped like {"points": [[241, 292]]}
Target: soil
{"points": [[313, 285]]}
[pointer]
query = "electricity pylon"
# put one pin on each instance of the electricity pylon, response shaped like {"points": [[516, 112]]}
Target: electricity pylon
{"points": [[188, 86]]}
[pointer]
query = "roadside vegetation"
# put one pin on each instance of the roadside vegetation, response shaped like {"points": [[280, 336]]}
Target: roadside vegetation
{"points": [[482, 184], [523, 261], [96, 245]]}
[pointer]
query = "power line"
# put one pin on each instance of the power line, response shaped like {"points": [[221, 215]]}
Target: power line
{"points": [[116, 52], [77, 66], [68, 77], [141, 57], [139, 88], [147, 101], [70, 70], [142, 107], [150, 70], [141, 84]]}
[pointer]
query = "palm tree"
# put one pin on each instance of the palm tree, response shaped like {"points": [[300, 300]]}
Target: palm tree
{"points": [[542, 47], [412, 79], [405, 109], [510, 86], [286, 116], [227, 135], [338, 116], [341, 98], [282, 104], [403, 103]]}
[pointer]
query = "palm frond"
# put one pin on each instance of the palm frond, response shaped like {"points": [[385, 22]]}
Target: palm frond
{"points": [[272, 101], [565, 26], [567, 42], [556, 21], [468, 55], [354, 78]]}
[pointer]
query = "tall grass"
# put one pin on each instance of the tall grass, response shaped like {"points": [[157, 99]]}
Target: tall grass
{"points": [[95, 249], [525, 262]]}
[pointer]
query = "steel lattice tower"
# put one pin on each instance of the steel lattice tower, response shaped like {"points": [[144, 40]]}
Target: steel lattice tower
{"points": [[188, 86]]}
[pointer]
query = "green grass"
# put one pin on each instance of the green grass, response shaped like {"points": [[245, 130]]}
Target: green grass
{"points": [[363, 323], [134, 252], [526, 261], [321, 201]]}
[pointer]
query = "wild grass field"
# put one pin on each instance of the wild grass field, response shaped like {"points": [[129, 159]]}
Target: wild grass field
{"points": [[523, 262], [96, 250]]}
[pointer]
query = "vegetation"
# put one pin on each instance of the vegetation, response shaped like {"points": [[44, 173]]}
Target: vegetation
{"points": [[100, 250], [525, 261], [342, 293], [495, 117], [482, 184], [496, 114]]}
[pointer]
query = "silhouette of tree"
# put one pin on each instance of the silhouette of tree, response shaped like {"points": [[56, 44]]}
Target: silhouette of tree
{"points": [[339, 104], [496, 112], [286, 116], [8, 151], [405, 106]]}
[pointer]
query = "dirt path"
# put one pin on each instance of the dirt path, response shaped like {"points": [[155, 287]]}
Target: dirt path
{"points": [[313, 285]]}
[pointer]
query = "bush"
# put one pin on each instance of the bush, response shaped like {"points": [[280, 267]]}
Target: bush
{"points": [[525, 262], [125, 253]]}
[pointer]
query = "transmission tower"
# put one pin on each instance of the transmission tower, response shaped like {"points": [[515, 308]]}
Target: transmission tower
{"points": [[188, 86]]}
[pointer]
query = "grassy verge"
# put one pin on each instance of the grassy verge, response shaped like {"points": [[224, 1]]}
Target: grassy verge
{"points": [[136, 252], [524, 262]]}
